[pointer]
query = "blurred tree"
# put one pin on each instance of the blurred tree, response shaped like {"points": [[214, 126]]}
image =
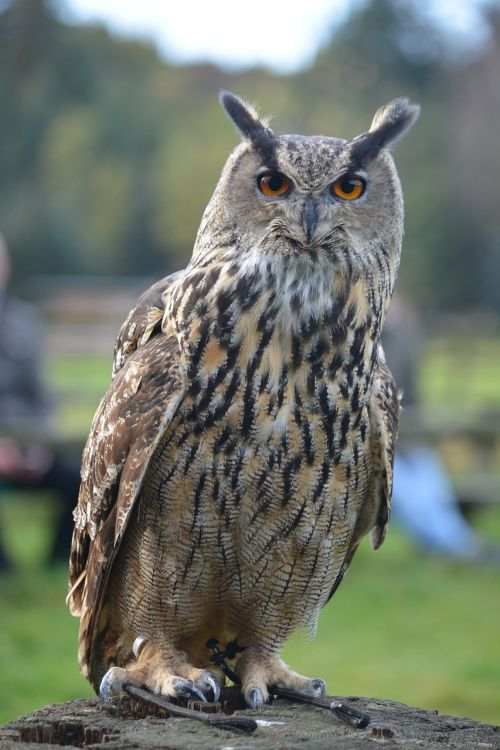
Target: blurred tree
{"points": [[387, 48], [473, 170], [104, 164]]}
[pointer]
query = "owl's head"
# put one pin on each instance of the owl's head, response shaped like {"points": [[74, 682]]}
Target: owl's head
{"points": [[297, 194]]}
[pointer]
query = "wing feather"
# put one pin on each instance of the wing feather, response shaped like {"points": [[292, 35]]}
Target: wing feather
{"points": [[146, 390], [143, 320], [384, 417]]}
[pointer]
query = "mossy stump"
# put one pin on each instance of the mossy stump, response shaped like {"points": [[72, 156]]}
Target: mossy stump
{"points": [[127, 723]]}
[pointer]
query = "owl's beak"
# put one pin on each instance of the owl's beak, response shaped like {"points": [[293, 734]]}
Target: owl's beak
{"points": [[310, 216]]}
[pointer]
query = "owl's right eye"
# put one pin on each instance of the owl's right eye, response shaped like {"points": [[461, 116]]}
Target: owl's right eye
{"points": [[273, 184]]}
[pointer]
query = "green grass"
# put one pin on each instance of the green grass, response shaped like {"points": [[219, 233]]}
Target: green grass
{"points": [[404, 625], [461, 373], [37, 635], [413, 628], [80, 383]]}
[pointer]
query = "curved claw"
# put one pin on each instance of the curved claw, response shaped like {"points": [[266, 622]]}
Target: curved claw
{"points": [[111, 684], [187, 689], [316, 687], [139, 644], [209, 680], [255, 698]]}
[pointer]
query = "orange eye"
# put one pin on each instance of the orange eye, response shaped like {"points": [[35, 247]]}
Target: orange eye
{"points": [[273, 184], [348, 188]]}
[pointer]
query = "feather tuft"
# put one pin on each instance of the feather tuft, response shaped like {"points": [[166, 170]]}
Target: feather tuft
{"points": [[392, 121], [245, 117]]}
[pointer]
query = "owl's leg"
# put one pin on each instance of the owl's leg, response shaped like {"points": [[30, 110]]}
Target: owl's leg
{"points": [[258, 670], [163, 670]]}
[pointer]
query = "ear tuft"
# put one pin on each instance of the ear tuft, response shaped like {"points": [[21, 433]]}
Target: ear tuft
{"points": [[392, 121], [244, 117]]}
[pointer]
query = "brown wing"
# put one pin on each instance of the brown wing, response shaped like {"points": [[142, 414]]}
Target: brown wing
{"points": [[143, 321], [131, 419], [384, 418]]}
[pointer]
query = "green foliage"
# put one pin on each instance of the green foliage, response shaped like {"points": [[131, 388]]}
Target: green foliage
{"points": [[109, 155], [461, 374]]}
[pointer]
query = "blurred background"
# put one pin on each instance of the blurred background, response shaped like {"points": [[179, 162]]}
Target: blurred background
{"points": [[111, 141]]}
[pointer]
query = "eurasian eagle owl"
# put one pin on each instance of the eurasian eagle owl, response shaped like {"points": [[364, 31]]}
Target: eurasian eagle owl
{"points": [[245, 444]]}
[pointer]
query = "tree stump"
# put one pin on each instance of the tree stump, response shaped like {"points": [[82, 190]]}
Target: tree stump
{"points": [[128, 723]]}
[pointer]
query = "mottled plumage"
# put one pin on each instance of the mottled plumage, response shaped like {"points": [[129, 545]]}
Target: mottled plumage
{"points": [[245, 445]]}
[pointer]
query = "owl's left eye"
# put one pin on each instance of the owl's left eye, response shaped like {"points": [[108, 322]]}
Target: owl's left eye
{"points": [[348, 187], [273, 183]]}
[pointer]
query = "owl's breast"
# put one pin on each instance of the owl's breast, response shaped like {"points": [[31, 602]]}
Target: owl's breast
{"points": [[266, 461], [256, 488]]}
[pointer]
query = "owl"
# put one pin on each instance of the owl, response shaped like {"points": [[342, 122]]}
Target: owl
{"points": [[245, 445]]}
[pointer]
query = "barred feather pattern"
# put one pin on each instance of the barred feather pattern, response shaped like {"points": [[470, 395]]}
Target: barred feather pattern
{"points": [[245, 445], [266, 471]]}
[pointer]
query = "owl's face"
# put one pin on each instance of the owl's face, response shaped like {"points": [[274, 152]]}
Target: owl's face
{"points": [[299, 195]]}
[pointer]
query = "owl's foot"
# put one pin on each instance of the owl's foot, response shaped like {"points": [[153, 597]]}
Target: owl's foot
{"points": [[168, 674], [117, 679], [259, 671]]}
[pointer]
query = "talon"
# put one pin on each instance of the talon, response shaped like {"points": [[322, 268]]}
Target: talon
{"points": [[187, 689], [110, 685], [213, 684], [316, 687], [139, 644], [255, 698]]}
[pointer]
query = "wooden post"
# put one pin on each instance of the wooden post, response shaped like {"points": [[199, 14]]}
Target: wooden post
{"points": [[127, 723]]}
